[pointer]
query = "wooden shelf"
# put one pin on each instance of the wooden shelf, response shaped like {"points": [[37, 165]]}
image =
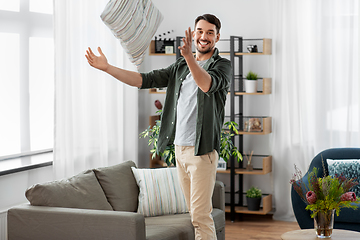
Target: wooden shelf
{"points": [[267, 50], [266, 128], [266, 207], [266, 86], [156, 91], [266, 168], [153, 53]]}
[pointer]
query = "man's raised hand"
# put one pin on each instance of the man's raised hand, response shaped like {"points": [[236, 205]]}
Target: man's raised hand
{"points": [[99, 62]]}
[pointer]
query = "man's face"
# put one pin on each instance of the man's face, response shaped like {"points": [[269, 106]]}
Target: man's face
{"points": [[205, 36]]}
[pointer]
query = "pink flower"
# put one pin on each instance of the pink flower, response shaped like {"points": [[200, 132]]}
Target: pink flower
{"points": [[311, 197], [349, 196]]}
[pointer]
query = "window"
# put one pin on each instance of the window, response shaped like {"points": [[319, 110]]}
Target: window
{"points": [[27, 77]]}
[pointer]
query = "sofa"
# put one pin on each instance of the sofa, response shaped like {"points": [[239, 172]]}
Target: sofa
{"points": [[349, 219], [103, 203]]}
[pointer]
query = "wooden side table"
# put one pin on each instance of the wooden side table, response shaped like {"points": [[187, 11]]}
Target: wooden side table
{"points": [[309, 234]]}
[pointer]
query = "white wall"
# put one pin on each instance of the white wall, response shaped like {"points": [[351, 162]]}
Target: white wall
{"points": [[249, 19]]}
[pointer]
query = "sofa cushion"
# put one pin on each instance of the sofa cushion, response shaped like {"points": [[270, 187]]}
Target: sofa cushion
{"points": [[160, 191], [134, 23], [80, 191], [349, 168], [120, 186]]}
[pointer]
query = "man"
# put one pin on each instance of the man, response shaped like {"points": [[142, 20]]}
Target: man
{"points": [[193, 113]]}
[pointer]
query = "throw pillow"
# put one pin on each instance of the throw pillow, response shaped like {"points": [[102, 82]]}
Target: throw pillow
{"points": [[80, 191], [350, 168], [134, 23], [120, 186], [160, 192]]}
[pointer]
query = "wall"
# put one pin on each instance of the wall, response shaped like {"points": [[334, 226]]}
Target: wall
{"points": [[249, 19]]}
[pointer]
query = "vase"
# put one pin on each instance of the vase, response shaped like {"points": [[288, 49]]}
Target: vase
{"points": [[323, 223], [250, 86], [253, 203]]}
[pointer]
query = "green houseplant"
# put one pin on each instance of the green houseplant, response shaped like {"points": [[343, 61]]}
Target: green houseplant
{"points": [[251, 82], [253, 198], [227, 147]]}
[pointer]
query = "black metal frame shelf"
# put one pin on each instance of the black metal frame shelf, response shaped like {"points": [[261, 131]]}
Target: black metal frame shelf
{"points": [[236, 94]]}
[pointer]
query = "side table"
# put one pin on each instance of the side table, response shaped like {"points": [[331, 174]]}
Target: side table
{"points": [[309, 234]]}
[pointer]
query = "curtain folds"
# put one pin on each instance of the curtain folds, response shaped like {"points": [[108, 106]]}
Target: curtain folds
{"points": [[91, 127], [316, 89]]}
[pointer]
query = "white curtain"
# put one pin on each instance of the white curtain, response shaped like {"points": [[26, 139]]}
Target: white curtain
{"points": [[316, 90], [95, 115]]}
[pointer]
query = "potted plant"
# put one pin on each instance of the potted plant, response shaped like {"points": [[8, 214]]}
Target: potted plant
{"points": [[253, 198], [227, 147], [251, 82]]}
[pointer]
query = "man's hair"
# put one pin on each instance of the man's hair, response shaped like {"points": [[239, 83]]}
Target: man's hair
{"points": [[211, 19]]}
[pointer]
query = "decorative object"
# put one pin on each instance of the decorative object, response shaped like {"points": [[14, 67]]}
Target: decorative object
{"points": [[251, 82], [323, 195], [160, 192], [324, 223], [134, 23], [227, 147], [253, 198], [252, 48], [249, 166], [252, 125], [221, 164]]}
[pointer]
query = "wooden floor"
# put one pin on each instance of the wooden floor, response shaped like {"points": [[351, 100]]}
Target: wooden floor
{"points": [[257, 227]]}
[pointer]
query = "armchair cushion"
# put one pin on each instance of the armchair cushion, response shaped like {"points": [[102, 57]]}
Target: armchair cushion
{"points": [[349, 168], [80, 191], [160, 192], [119, 186]]}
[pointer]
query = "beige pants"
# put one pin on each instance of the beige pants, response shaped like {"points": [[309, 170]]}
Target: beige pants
{"points": [[197, 176]]}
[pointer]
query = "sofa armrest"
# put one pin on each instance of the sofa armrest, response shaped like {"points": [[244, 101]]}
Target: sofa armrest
{"points": [[218, 198], [38, 222]]}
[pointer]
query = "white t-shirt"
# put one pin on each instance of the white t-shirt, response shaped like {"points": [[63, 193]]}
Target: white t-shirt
{"points": [[186, 111]]}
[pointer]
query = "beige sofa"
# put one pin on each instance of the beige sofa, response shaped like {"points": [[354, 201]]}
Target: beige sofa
{"points": [[100, 204]]}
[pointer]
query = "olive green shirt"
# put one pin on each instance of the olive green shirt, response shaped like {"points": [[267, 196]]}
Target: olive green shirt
{"points": [[210, 105]]}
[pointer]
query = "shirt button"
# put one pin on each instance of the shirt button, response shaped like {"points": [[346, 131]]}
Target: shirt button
{"points": [[167, 137], [172, 123], [180, 79]]}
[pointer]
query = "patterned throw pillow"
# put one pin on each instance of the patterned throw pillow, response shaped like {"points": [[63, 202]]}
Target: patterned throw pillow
{"points": [[160, 192], [134, 23], [350, 168]]}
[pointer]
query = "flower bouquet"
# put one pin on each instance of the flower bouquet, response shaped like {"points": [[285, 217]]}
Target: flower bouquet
{"points": [[323, 196]]}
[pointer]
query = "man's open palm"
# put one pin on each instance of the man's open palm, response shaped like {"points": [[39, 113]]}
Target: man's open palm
{"points": [[99, 62]]}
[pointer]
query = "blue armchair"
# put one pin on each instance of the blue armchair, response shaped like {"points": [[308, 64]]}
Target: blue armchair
{"points": [[348, 219]]}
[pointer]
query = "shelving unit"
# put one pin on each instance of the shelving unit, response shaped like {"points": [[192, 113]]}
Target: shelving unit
{"points": [[237, 93]]}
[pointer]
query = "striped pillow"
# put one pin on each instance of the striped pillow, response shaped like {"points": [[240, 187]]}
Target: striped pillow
{"points": [[160, 192], [134, 23]]}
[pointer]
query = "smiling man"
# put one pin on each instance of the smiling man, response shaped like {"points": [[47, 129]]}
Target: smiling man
{"points": [[193, 114]]}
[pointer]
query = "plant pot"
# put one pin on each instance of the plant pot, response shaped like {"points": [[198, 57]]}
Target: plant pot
{"points": [[253, 204], [250, 86], [323, 223]]}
